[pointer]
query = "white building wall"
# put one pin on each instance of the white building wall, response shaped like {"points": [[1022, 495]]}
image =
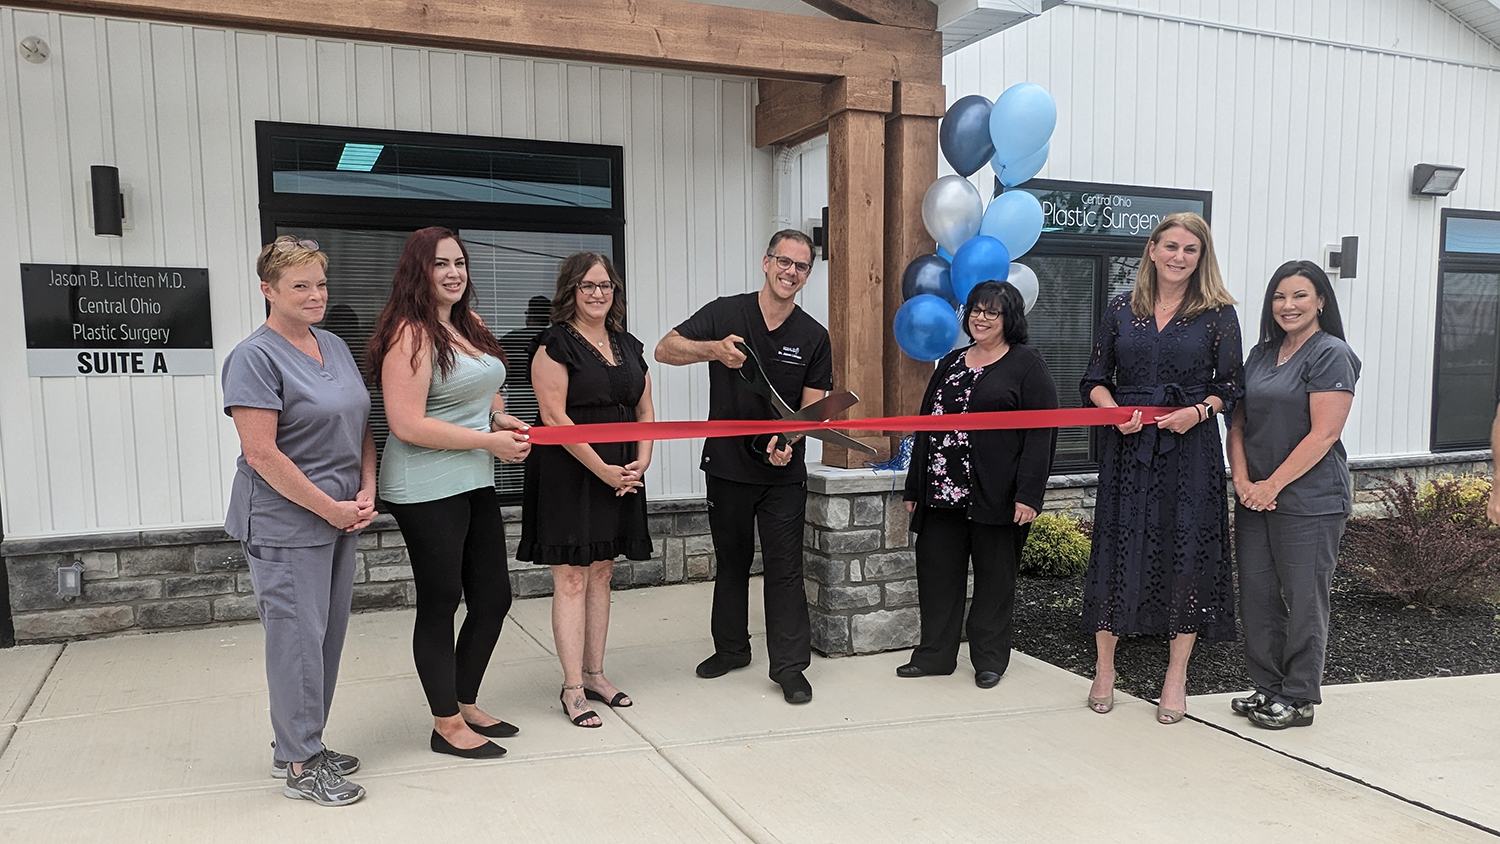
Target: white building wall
{"points": [[1305, 120], [174, 108]]}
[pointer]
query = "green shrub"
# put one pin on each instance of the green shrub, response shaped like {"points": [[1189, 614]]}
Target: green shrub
{"points": [[1056, 547], [1435, 546]]}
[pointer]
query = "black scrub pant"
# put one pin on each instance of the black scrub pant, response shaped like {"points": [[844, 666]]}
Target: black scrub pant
{"points": [[735, 510], [949, 539], [457, 550]]}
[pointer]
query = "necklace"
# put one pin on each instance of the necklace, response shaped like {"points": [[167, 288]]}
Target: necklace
{"points": [[579, 332], [1163, 306], [1281, 361]]}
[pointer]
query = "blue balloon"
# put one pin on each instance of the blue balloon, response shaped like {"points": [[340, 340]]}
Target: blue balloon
{"points": [[1021, 121], [1022, 170], [1015, 219], [965, 134], [981, 259], [945, 255], [926, 327], [927, 275]]}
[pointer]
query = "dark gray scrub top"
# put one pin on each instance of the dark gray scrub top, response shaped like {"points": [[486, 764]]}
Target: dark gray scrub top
{"points": [[1278, 415], [324, 409]]}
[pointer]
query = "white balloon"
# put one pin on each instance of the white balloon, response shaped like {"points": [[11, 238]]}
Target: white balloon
{"points": [[951, 210], [1024, 279]]}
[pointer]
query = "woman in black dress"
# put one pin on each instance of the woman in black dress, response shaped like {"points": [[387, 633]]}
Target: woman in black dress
{"points": [[584, 505], [974, 494], [1160, 560]]}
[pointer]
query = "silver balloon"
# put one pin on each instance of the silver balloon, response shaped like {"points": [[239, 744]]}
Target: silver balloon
{"points": [[951, 210], [1025, 281]]}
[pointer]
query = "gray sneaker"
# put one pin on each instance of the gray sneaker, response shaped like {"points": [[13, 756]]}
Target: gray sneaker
{"points": [[321, 784], [343, 764]]}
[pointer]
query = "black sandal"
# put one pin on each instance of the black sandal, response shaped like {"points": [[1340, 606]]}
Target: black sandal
{"points": [[612, 702], [582, 716]]}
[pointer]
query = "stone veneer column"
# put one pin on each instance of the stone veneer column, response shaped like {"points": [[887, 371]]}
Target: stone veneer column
{"points": [[861, 571]]}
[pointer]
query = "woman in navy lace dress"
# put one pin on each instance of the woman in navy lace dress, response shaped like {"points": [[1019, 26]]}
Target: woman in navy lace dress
{"points": [[1160, 562]]}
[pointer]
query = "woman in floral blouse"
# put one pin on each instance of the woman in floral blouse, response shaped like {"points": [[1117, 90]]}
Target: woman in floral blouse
{"points": [[973, 494]]}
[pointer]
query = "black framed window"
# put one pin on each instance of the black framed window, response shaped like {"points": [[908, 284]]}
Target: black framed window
{"points": [[520, 206], [1467, 359], [1092, 239]]}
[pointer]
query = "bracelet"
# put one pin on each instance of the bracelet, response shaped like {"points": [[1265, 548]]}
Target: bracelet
{"points": [[493, 423]]}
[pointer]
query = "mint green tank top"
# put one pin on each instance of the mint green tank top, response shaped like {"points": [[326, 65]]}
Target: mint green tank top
{"points": [[410, 474]]}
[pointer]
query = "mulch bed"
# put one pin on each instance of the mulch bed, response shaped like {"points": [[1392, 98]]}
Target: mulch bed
{"points": [[1371, 637]]}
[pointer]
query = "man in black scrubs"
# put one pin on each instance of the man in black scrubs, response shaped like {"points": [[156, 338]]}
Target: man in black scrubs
{"points": [[753, 482]]}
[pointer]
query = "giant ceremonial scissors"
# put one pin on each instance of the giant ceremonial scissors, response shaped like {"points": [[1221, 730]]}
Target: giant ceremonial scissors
{"points": [[819, 411]]}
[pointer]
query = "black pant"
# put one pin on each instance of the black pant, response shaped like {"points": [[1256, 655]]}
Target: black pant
{"points": [[734, 511], [457, 550], [944, 547]]}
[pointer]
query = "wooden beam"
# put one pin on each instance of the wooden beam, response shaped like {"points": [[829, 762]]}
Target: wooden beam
{"points": [[856, 222], [911, 163], [792, 112], [789, 112], [916, 14], [640, 33]]}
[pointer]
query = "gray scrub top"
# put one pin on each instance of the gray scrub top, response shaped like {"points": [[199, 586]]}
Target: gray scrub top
{"points": [[324, 409], [1278, 415]]}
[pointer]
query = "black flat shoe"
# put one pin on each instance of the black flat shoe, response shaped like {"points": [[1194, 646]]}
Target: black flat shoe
{"points": [[718, 665], [488, 750], [499, 730], [987, 679], [910, 670], [796, 689], [1249, 703], [613, 702]]}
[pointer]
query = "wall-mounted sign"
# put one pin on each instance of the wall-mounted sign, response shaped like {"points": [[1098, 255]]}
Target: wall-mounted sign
{"points": [[97, 320], [1072, 208]]}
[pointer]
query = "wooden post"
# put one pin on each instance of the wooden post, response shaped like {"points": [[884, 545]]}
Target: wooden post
{"points": [[911, 151], [856, 222]]}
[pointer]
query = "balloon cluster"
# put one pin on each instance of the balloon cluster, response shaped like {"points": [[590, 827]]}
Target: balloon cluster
{"points": [[977, 244]]}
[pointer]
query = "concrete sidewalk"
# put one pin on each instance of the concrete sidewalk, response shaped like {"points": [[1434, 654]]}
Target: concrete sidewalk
{"points": [[165, 737]]}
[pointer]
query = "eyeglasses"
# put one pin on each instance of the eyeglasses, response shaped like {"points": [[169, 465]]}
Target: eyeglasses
{"points": [[987, 313], [589, 288], [290, 245], [786, 263]]}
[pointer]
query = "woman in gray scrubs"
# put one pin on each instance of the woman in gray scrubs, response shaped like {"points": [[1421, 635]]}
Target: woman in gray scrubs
{"points": [[1291, 476], [303, 490]]}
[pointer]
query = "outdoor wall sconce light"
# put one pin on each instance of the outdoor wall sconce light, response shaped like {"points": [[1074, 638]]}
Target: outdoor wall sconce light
{"points": [[70, 580], [1341, 259], [1434, 179], [109, 204]]}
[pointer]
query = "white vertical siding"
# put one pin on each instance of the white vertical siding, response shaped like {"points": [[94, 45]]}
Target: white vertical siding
{"points": [[1300, 141], [174, 108]]}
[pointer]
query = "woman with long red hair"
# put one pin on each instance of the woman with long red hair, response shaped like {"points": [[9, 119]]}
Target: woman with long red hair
{"points": [[440, 371]]}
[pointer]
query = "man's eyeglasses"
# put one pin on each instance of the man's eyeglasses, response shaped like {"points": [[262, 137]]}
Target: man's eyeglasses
{"points": [[290, 245], [786, 263], [589, 288], [987, 313]]}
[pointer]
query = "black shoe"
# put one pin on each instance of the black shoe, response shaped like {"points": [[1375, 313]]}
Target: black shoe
{"points": [[619, 701], [488, 750], [1278, 716], [911, 669], [987, 679], [720, 664], [795, 688], [500, 730], [1249, 703]]}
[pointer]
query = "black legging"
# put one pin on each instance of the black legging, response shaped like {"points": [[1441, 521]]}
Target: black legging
{"points": [[457, 550]]}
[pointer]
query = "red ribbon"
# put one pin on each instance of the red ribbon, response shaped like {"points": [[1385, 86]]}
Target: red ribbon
{"points": [[619, 432]]}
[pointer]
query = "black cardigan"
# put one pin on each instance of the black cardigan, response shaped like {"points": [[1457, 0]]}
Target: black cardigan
{"points": [[1007, 466]]}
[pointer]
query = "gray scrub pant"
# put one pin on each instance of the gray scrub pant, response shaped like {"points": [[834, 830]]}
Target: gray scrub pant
{"points": [[1286, 573], [302, 595]]}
